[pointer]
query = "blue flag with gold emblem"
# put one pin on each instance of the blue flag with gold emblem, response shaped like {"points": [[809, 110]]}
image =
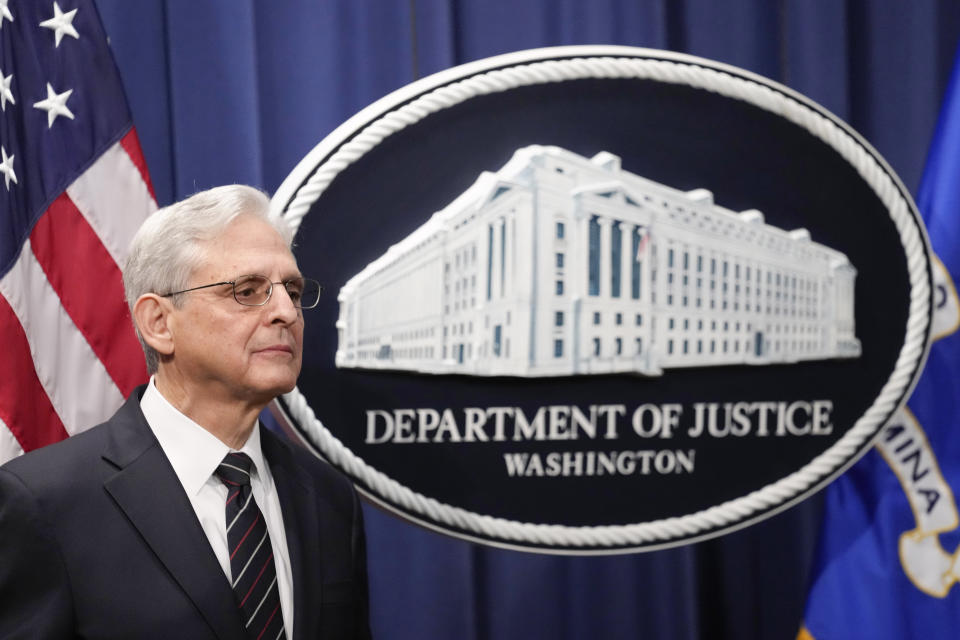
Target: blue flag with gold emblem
{"points": [[888, 562]]}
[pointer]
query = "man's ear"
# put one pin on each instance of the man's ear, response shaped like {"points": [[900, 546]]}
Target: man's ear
{"points": [[150, 313]]}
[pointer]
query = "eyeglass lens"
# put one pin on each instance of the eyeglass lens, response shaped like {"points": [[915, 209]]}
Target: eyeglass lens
{"points": [[255, 290]]}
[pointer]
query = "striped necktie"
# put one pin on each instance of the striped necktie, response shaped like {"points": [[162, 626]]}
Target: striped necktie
{"points": [[254, 575]]}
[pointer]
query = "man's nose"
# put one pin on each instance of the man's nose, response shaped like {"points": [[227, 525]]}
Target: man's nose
{"points": [[282, 307]]}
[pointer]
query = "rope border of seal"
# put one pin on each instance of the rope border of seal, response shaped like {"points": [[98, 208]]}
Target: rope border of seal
{"points": [[722, 516]]}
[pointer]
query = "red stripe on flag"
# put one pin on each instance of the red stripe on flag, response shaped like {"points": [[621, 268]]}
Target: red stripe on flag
{"points": [[24, 405], [131, 144], [90, 287]]}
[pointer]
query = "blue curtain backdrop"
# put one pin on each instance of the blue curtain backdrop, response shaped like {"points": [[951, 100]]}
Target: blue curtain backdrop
{"points": [[239, 90]]}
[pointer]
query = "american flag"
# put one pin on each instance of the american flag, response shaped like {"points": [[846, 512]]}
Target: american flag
{"points": [[74, 191]]}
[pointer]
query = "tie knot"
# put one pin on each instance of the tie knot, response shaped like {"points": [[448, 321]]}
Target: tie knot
{"points": [[235, 469]]}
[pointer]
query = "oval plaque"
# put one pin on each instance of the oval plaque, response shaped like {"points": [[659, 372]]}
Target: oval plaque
{"points": [[601, 299]]}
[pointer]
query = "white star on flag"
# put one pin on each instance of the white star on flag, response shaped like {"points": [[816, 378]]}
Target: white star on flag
{"points": [[5, 12], [55, 105], [6, 168], [61, 23], [6, 95]]}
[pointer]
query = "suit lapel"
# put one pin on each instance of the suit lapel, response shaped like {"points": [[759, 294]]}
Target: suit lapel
{"points": [[302, 531], [148, 491]]}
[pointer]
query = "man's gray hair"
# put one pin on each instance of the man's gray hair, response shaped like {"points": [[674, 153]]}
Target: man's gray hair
{"points": [[169, 246]]}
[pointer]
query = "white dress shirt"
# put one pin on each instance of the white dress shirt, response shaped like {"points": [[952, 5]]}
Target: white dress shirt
{"points": [[195, 454]]}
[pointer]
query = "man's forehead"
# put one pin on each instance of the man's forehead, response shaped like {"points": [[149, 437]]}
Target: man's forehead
{"points": [[248, 245]]}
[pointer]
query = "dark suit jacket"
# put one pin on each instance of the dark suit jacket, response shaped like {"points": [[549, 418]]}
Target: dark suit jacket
{"points": [[98, 539]]}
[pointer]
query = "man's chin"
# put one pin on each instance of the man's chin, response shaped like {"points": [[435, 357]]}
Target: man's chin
{"points": [[272, 386]]}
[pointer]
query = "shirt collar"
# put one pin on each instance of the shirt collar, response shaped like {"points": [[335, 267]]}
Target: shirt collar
{"points": [[193, 452]]}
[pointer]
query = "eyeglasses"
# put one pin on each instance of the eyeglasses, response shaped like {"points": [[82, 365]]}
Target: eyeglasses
{"points": [[254, 291]]}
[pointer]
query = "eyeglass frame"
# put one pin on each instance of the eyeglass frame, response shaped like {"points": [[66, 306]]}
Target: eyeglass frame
{"points": [[233, 286]]}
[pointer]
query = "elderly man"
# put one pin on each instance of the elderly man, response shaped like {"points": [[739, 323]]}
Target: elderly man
{"points": [[180, 517]]}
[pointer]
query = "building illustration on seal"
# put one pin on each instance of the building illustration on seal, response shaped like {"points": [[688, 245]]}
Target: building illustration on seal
{"points": [[560, 265]]}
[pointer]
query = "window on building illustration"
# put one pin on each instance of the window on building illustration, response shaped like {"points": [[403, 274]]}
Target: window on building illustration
{"points": [[444, 352], [686, 347], [699, 346], [670, 346], [635, 264], [670, 257], [699, 264], [560, 231], [559, 287], [497, 336], [685, 300], [489, 261], [619, 345], [616, 249], [559, 261], [596, 317], [558, 348], [596, 346], [618, 318], [713, 346], [639, 320], [686, 261], [713, 266], [503, 255], [686, 324], [639, 346], [669, 299], [593, 261], [685, 280], [558, 319]]}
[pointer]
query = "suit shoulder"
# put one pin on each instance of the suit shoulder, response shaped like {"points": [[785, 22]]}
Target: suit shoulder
{"points": [[60, 459], [321, 473]]}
